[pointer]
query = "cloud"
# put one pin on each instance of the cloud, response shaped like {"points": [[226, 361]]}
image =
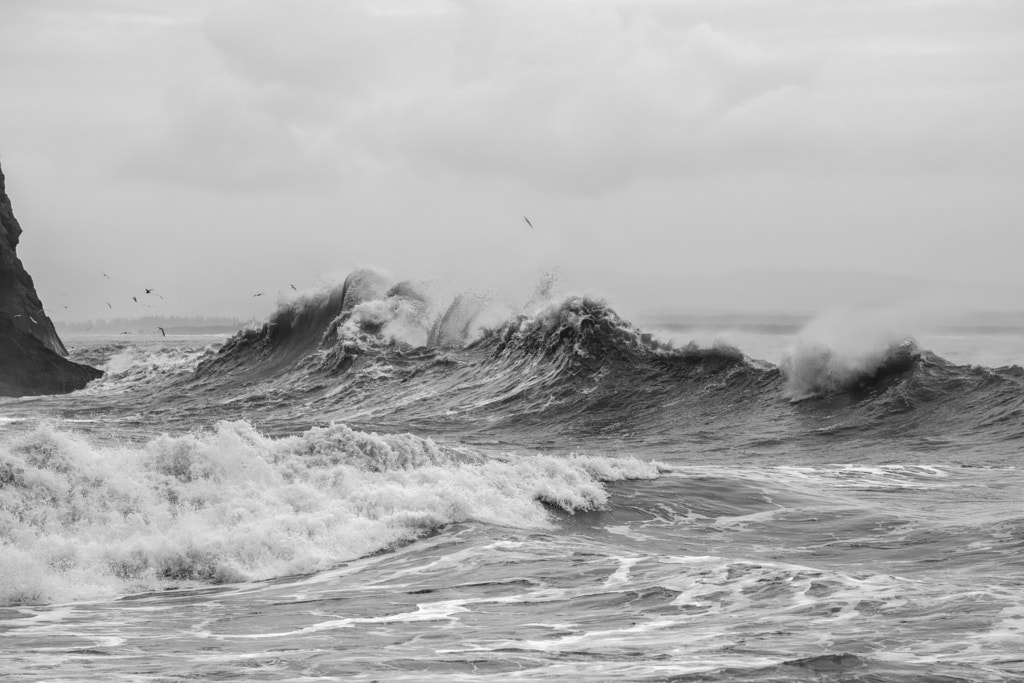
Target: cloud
{"points": [[226, 134], [589, 96], [579, 95]]}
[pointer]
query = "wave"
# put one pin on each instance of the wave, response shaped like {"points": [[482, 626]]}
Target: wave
{"points": [[292, 333], [328, 328], [129, 366], [80, 520], [377, 353], [815, 370], [578, 327], [844, 351], [368, 314]]}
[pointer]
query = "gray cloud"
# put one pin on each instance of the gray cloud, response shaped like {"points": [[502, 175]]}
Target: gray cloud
{"points": [[647, 138], [576, 95], [589, 96], [221, 134]]}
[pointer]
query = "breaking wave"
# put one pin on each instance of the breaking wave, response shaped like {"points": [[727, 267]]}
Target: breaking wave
{"points": [[374, 352], [841, 352], [80, 520]]}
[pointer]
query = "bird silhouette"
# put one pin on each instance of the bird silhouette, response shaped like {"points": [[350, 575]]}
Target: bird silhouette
{"points": [[161, 330], [528, 221], [109, 306], [257, 294], [293, 287], [150, 290]]}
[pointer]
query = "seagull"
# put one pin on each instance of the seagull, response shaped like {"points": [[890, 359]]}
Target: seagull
{"points": [[106, 276], [161, 330], [135, 299], [293, 287], [33, 320], [257, 294], [528, 221], [150, 290], [109, 306]]}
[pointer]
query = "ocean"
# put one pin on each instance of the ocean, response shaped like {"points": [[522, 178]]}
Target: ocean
{"points": [[372, 486]]}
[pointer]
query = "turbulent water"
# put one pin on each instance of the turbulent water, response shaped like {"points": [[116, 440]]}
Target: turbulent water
{"points": [[370, 486]]}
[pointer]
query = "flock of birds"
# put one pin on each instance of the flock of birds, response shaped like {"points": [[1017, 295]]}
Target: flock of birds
{"points": [[151, 291]]}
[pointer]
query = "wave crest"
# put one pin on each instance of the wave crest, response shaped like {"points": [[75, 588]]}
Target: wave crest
{"points": [[814, 369], [580, 326]]}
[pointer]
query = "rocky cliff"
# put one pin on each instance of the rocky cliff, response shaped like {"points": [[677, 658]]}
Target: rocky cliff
{"points": [[31, 354]]}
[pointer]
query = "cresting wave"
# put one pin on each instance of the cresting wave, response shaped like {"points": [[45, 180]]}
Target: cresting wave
{"points": [[330, 328], [82, 517], [394, 484], [80, 520], [379, 353]]}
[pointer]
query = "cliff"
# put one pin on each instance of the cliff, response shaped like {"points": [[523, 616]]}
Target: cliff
{"points": [[28, 368], [18, 298], [31, 354]]}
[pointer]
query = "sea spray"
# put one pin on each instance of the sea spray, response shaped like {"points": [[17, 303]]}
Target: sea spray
{"points": [[838, 350]]}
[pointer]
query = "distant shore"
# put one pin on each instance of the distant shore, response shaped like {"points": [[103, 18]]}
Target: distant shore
{"points": [[182, 325]]}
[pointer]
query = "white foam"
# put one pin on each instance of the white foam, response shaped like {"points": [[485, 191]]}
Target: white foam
{"points": [[78, 520], [133, 365]]}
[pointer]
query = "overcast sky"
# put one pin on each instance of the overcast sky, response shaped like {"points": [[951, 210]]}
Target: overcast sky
{"points": [[213, 150]]}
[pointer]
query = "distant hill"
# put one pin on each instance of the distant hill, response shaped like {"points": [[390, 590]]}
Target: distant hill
{"points": [[151, 324]]}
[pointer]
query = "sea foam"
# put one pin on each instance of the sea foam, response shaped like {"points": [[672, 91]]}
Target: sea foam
{"points": [[80, 520]]}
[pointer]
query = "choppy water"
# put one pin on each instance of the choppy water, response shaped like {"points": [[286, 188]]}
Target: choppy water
{"points": [[369, 488]]}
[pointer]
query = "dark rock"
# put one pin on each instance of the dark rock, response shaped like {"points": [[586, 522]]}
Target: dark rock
{"points": [[28, 368], [31, 354]]}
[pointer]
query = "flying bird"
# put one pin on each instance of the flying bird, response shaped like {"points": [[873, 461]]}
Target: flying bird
{"points": [[293, 287], [257, 294], [135, 299], [150, 290], [528, 221], [161, 330], [106, 276], [109, 306]]}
